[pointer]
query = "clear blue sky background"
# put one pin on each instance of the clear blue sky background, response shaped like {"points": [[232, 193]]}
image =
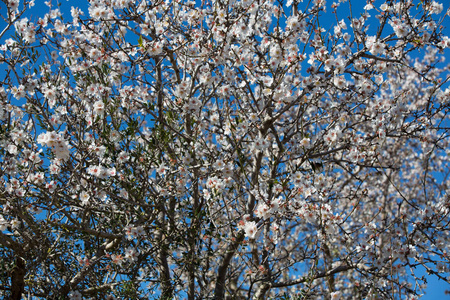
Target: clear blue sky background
{"points": [[436, 289]]}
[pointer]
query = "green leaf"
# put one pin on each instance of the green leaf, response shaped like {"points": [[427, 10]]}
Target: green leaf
{"points": [[140, 42]]}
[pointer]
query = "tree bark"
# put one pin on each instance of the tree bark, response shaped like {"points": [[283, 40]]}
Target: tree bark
{"points": [[219, 291], [17, 279]]}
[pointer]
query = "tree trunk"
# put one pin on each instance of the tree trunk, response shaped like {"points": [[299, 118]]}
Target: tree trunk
{"points": [[17, 282]]}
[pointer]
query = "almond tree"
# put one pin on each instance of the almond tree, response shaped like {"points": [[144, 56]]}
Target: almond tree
{"points": [[224, 149]]}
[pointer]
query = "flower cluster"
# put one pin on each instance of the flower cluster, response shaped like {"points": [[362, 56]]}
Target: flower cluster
{"points": [[56, 141]]}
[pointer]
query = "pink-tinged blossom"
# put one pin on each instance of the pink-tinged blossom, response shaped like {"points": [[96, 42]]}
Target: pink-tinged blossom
{"points": [[99, 108], [95, 170], [101, 172], [161, 169], [59, 145], [51, 186], [131, 254], [134, 232], [98, 12], [250, 229], [75, 295], [98, 150], [84, 198], [262, 211], [155, 48], [54, 168], [12, 149], [20, 192], [260, 144], [435, 7], [37, 178], [400, 29], [61, 150], [332, 136], [340, 82], [375, 47], [227, 170], [13, 4], [50, 94], [115, 136], [18, 92], [219, 164], [117, 259], [3, 223], [123, 193], [123, 157], [336, 295], [83, 261], [111, 171], [15, 224]]}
